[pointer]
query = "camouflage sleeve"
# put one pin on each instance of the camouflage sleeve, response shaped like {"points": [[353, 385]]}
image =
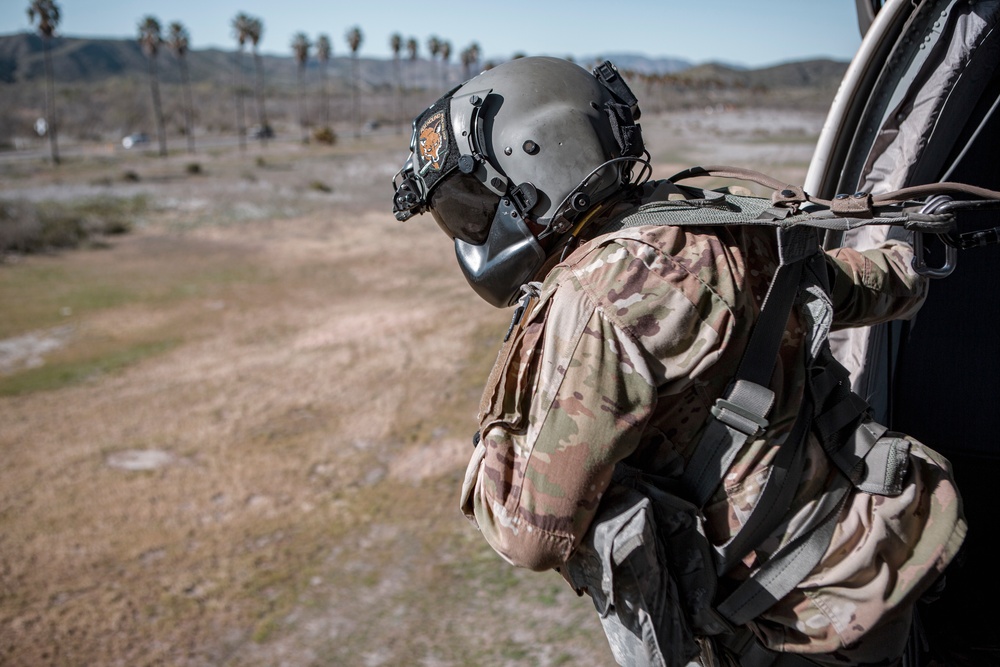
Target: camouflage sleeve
{"points": [[875, 285], [570, 402]]}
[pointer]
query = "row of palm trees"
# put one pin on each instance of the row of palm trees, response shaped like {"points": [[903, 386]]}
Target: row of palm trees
{"points": [[301, 46], [247, 31]]}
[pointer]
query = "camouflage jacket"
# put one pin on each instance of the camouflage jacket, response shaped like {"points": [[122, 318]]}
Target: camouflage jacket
{"points": [[630, 342]]}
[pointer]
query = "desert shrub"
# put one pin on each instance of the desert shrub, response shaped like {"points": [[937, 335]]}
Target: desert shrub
{"points": [[325, 135], [320, 186], [27, 227], [193, 168], [62, 229], [20, 228], [130, 176]]}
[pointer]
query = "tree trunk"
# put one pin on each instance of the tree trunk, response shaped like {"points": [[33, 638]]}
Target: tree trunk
{"points": [[302, 102], [259, 95], [188, 105], [399, 94], [154, 86], [324, 94], [241, 129], [355, 94], [50, 102]]}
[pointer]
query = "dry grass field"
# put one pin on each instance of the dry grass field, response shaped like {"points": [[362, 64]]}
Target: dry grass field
{"points": [[236, 434]]}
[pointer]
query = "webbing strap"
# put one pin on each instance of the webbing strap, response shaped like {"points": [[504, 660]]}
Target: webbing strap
{"points": [[729, 172], [717, 209], [724, 436], [840, 419], [838, 416], [742, 412], [773, 500], [886, 199], [789, 565], [794, 246]]}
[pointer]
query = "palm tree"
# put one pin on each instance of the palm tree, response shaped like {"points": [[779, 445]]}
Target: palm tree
{"points": [[179, 41], [323, 52], [256, 31], [300, 46], [241, 32], [434, 46], [396, 43], [412, 46], [470, 56], [46, 12], [150, 39], [354, 41], [445, 56]]}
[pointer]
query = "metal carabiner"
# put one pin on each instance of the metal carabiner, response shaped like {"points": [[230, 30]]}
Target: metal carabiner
{"points": [[950, 251]]}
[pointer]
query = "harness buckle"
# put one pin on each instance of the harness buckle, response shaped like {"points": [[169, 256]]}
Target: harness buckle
{"points": [[738, 417]]}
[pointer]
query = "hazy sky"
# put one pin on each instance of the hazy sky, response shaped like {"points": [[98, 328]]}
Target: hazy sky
{"points": [[738, 31]]}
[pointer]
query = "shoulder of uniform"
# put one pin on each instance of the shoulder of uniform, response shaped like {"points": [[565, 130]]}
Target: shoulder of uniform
{"points": [[606, 271]]}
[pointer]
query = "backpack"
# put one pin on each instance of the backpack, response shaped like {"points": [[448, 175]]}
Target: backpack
{"points": [[651, 572]]}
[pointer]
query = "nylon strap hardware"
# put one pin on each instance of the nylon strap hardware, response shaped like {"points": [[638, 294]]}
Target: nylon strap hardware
{"points": [[789, 196], [858, 205], [529, 291], [746, 420]]}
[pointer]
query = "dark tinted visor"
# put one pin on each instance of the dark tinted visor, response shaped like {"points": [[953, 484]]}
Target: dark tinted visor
{"points": [[463, 207]]}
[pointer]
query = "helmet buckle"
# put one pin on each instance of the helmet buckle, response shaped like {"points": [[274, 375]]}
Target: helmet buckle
{"points": [[524, 196]]}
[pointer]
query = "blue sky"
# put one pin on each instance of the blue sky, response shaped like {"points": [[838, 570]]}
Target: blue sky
{"points": [[737, 31]]}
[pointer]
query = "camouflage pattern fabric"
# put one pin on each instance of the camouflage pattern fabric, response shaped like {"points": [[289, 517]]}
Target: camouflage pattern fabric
{"points": [[620, 358]]}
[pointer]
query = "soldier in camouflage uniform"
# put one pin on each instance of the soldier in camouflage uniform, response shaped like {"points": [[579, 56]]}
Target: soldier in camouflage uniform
{"points": [[623, 341]]}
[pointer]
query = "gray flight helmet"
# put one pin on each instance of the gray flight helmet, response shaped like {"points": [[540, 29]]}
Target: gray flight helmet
{"points": [[535, 139]]}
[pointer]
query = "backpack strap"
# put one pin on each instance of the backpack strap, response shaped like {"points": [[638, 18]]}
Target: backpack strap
{"points": [[859, 202], [742, 413]]}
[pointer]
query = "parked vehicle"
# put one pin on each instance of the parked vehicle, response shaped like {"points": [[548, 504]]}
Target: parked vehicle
{"points": [[135, 139], [260, 132]]}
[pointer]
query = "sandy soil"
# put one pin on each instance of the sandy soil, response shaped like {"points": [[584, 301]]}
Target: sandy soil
{"points": [[271, 476]]}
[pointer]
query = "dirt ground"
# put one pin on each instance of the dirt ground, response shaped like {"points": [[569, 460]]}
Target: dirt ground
{"points": [[236, 435]]}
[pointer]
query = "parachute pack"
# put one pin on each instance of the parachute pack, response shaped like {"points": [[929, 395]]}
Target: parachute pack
{"points": [[646, 555]]}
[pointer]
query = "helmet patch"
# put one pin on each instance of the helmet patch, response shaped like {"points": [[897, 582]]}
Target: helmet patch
{"points": [[433, 141]]}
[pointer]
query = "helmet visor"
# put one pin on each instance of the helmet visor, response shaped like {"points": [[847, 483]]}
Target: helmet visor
{"points": [[463, 207]]}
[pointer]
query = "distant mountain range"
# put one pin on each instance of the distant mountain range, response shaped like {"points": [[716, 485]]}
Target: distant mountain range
{"points": [[637, 62], [78, 60]]}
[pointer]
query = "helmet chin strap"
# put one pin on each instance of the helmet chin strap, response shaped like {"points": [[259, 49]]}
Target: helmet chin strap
{"points": [[510, 257]]}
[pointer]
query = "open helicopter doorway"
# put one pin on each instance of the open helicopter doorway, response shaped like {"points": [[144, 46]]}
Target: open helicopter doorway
{"points": [[919, 104]]}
